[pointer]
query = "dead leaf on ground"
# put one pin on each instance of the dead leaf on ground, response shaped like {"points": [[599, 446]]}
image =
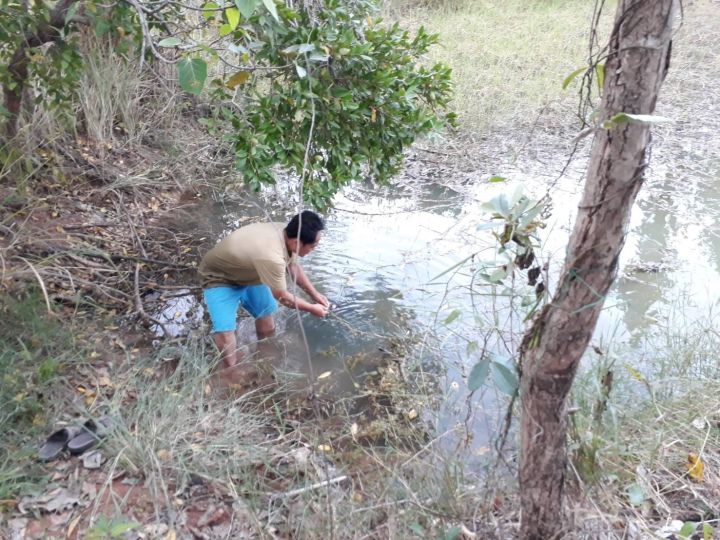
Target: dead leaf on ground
{"points": [[17, 527], [56, 500], [60, 519], [92, 460], [73, 525], [214, 515], [695, 467], [89, 489]]}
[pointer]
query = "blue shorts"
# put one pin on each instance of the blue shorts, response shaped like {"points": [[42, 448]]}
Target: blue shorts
{"points": [[222, 304]]}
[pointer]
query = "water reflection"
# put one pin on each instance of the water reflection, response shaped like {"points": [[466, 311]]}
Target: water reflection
{"points": [[645, 281], [384, 249]]}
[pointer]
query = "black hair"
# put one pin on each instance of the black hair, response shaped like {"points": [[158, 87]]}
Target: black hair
{"points": [[310, 225]]}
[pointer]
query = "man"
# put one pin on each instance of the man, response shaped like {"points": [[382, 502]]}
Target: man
{"points": [[248, 268]]}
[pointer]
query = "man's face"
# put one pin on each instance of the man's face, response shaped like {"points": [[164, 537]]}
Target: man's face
{"points": [[307, 248]]}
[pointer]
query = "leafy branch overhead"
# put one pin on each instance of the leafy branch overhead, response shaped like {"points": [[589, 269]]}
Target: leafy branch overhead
{"points": [[353, 87], [322, 89]]}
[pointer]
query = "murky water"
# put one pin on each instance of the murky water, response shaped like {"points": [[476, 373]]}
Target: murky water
{"points": [[384, 249]]}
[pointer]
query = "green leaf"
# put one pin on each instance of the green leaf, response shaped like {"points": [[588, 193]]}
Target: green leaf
{"points": [[306, 47], [496, 179], [570, 78], [192, 73], [209, 10], [707, 531], [636, 495], [246, 7], [233, 17], [208, 50], [600, 74], [505, 377], [453, 315], [472, 346], [478, 374], [71, 12], [272, 8], [627, 118], [170, 42], [224, 29], [489, 225], [318, 57], [124, 526], [687, 529]]}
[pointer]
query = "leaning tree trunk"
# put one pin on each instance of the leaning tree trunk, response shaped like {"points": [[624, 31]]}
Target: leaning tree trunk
{"points": [[638, 56]]}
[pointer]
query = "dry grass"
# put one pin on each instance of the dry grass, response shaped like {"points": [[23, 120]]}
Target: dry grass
{"points": [[116, 101], [660, 412], [265, 461], [509, 58]]}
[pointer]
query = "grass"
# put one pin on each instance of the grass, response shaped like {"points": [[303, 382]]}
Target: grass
{"points": [[509, 58], [35, 353], [282, 465], [659, 412], [117, 102], [182, 449]]}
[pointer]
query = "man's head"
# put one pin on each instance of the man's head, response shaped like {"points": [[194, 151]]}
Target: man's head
{"points": [[303, 232]]}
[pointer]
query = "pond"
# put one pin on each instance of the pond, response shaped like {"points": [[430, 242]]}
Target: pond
{"points": [[396, 264]]}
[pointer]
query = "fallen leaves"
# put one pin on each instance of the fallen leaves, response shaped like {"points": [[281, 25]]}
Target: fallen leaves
{"points": [[695, 467], [57, 500]]}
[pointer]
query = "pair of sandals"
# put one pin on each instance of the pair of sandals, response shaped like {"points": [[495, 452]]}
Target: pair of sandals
{"points": [[75, 439]]}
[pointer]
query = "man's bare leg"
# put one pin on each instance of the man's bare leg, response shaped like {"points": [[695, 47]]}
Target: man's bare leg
{"points": [[226, 343], [265, 328]]}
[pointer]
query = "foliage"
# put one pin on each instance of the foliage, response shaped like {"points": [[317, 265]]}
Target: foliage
{"points": [[515, 219], [333, 95], [53, 71], [328, 92]]}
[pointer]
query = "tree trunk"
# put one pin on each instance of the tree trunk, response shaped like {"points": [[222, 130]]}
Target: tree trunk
{"points": [[638, 56]]}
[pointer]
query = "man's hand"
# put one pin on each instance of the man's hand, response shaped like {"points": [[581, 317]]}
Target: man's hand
{"points": [[318, 310], [321, 299]]}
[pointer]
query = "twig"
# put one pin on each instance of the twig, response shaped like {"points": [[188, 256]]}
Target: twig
{"points": [[138, 303], [298, 491], [114, 257], [42, 285]]}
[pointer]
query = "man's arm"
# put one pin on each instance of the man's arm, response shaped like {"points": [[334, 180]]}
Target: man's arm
{"points": [[287, 299], [297, 274]]}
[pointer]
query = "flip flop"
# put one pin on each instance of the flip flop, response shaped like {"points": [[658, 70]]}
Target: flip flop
{"points": [[89, 434], [57, 442]]}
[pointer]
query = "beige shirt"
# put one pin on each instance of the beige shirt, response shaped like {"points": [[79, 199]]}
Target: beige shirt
{"points": [[251, 255]]}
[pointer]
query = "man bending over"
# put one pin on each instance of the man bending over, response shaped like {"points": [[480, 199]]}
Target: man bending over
{"points": [[248, 267]]}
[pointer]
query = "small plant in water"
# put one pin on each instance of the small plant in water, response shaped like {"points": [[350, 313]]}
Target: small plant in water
{"points": [[515, 219]]}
